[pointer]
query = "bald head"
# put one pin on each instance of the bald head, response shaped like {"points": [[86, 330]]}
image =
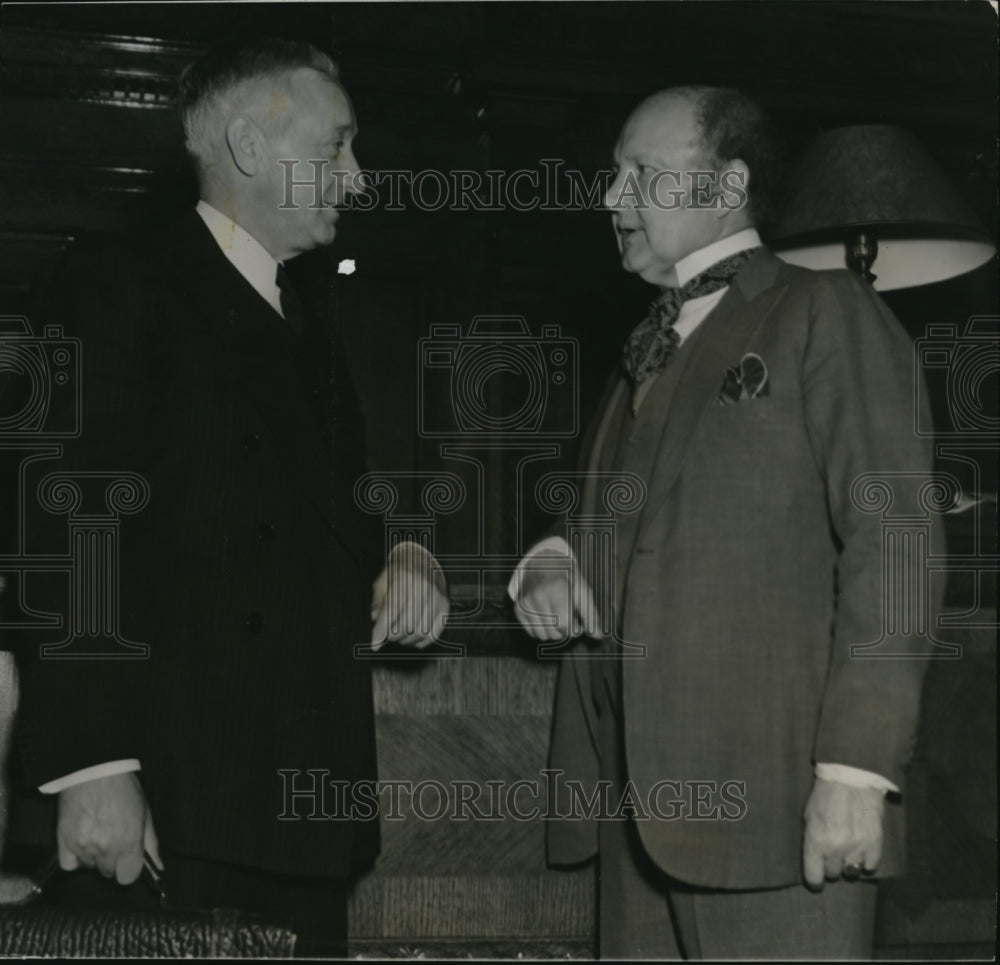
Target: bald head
{"points": [[688, 173], [666, 199]]}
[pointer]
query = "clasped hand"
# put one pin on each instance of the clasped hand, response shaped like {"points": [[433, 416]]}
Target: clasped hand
{"points": [[106, 824], [409, 599], [552, 598]]}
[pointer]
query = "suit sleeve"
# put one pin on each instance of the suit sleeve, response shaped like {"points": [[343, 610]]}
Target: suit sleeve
{"points": [[76, 713], [858, 382]]}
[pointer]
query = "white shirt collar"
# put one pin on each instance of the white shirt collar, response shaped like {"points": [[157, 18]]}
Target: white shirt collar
{"points": [[698, 261], [247, 255]]}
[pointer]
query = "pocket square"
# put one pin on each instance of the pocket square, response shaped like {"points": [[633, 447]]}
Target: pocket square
{"points": [[748, 381]]}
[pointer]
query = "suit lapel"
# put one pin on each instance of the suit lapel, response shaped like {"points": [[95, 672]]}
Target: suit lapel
{"points": [[728, 332], [257, 348], [610, 412]]}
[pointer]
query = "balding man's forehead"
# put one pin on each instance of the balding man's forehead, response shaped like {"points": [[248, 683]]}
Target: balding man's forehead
{"points": [[664, 99], [666, 112], [661, 123]]}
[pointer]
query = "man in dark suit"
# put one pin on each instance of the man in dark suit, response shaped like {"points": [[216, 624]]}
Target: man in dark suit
{"points": [[757, 754], [249, 573]]}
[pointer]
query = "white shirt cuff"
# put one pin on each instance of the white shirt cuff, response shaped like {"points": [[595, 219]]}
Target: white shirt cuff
{"points": [[551, 546], [94, 773], [413, 556], [408, 546], [854, 777]]}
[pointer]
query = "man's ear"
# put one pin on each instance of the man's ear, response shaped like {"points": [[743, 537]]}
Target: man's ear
{"points": [[733, 188], [245, 143]]}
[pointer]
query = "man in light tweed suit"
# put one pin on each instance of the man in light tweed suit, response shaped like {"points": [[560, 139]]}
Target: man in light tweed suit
{"points": [[750, 401]]}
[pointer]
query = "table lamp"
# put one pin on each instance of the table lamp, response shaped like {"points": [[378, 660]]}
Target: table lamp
{"points": [[870, 197]]}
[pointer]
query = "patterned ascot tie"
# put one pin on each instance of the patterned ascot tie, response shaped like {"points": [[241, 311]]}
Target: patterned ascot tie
{"points": [[654, 339]]}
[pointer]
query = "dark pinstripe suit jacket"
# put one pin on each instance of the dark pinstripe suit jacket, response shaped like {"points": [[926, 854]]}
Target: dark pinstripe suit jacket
{"points": [[248, 574]]}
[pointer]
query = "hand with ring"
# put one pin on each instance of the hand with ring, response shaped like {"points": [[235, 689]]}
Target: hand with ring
{"points": [[842, 837]]}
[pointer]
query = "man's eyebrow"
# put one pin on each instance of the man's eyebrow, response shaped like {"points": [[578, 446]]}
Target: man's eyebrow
{"points": [[651, 159], [348, 130]]}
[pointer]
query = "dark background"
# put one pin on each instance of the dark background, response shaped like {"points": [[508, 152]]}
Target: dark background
{"points": [[90, 143]]}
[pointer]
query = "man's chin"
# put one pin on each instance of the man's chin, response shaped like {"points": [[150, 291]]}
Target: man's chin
{"points": [[632, 264], [324, 235]]}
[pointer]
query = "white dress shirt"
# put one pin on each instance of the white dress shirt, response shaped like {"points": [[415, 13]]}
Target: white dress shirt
{"points": [[247, 255]]}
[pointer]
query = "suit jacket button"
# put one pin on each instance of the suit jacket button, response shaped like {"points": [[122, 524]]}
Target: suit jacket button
{"points": [[254, 623], [251, 442], [266, 532]]}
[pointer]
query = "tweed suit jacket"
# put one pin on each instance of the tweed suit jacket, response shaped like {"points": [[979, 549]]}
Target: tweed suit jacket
{"points": [[753, 574]]}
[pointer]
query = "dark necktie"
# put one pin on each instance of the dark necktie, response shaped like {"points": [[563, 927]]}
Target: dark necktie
{"points": [[654, 340], [291, 306], [312, 356]]}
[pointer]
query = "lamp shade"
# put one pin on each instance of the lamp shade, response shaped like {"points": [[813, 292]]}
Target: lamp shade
{"points": [[879, 180]]}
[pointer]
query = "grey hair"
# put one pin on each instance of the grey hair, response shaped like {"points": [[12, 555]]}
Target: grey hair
{"points": [[210, 85]]}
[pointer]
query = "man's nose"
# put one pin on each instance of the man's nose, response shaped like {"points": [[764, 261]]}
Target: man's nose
{"points": [[613, 196], [344, 181], [354, 180]]}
